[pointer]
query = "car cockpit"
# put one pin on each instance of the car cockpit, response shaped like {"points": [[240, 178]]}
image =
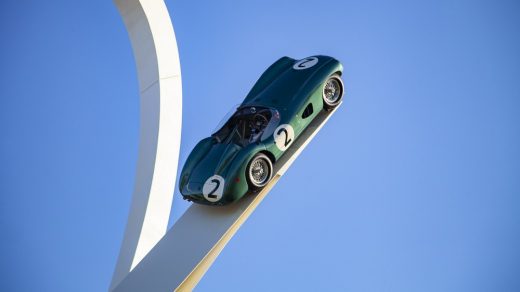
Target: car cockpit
{"points": [[246, 126]]}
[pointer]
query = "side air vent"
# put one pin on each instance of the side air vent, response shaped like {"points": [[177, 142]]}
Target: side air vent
{"points": [[308, 111]]}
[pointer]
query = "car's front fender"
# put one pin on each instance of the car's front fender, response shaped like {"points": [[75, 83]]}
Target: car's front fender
{"points": [[194, 158], [236, 185]]}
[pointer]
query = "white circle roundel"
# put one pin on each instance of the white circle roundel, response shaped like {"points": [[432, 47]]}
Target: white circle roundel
{"points": [[283, 136], [213, 188], [305, 63]]}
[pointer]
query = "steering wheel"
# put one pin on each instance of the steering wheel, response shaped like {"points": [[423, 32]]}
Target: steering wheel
{"points": [[258, 122]]}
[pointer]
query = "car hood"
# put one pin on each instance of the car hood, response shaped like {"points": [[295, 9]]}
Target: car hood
{"points": [[216, 161]]}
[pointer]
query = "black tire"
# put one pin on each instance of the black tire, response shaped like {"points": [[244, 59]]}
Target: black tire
{"points": [[332, 92], [259, 171]]}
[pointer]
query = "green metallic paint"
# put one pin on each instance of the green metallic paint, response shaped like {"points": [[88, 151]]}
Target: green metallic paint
{"points": [[280, 87]]}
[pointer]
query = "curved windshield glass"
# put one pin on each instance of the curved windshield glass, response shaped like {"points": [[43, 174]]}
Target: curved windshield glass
{"points": [[226, 117], [247, 125], [273, 123]]}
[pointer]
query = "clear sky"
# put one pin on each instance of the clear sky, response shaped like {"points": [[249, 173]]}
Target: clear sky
{"points": [[414, 185]]}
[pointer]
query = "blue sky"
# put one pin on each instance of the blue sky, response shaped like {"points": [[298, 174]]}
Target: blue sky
{"points": [[412, 186]]}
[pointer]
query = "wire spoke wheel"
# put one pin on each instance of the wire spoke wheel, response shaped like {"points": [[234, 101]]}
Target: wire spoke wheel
{"points": [[259, 171], [332, 91]]}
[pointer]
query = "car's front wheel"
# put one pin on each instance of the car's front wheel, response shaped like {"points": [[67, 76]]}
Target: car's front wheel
{"points": [[259, 171], [332, 91]]}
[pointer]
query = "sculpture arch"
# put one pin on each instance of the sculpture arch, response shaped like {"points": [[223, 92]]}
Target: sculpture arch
{"points": [[158, 67]]}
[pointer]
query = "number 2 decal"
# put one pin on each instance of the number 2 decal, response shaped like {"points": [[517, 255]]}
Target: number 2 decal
{"points": [[213, 188], [305, 63], [217, 184], [287, 140], [283, 136]]}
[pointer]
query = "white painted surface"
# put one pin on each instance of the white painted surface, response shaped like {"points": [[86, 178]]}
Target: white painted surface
{"points": [[155, 51], [183, 256]]}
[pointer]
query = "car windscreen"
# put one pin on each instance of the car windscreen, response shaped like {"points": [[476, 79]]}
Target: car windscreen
{"points": [[247, 125], [226, 118], [271, 126]]}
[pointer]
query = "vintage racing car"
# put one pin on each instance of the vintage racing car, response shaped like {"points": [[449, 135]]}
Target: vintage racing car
{"points": [[240, 156]]}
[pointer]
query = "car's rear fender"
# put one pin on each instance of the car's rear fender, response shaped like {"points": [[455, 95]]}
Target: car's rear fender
{"points": [[315, 83]]}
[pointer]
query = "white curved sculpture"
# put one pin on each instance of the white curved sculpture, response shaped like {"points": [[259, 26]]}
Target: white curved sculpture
{"points": [[150, 259], [155, 51]]}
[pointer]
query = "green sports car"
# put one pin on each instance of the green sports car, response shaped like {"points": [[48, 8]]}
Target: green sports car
{"points": [[240, 156]]}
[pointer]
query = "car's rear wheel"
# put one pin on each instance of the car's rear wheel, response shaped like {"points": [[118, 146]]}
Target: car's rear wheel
{"points": [[332, 92], [259, 171]]}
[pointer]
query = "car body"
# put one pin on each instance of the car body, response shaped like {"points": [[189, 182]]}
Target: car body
{"points": [[240, 156]]}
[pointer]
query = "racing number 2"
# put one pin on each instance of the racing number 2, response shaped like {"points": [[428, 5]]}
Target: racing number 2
{"points": [[213, 188], [283, 136], [217, 184], [287, 141]]}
